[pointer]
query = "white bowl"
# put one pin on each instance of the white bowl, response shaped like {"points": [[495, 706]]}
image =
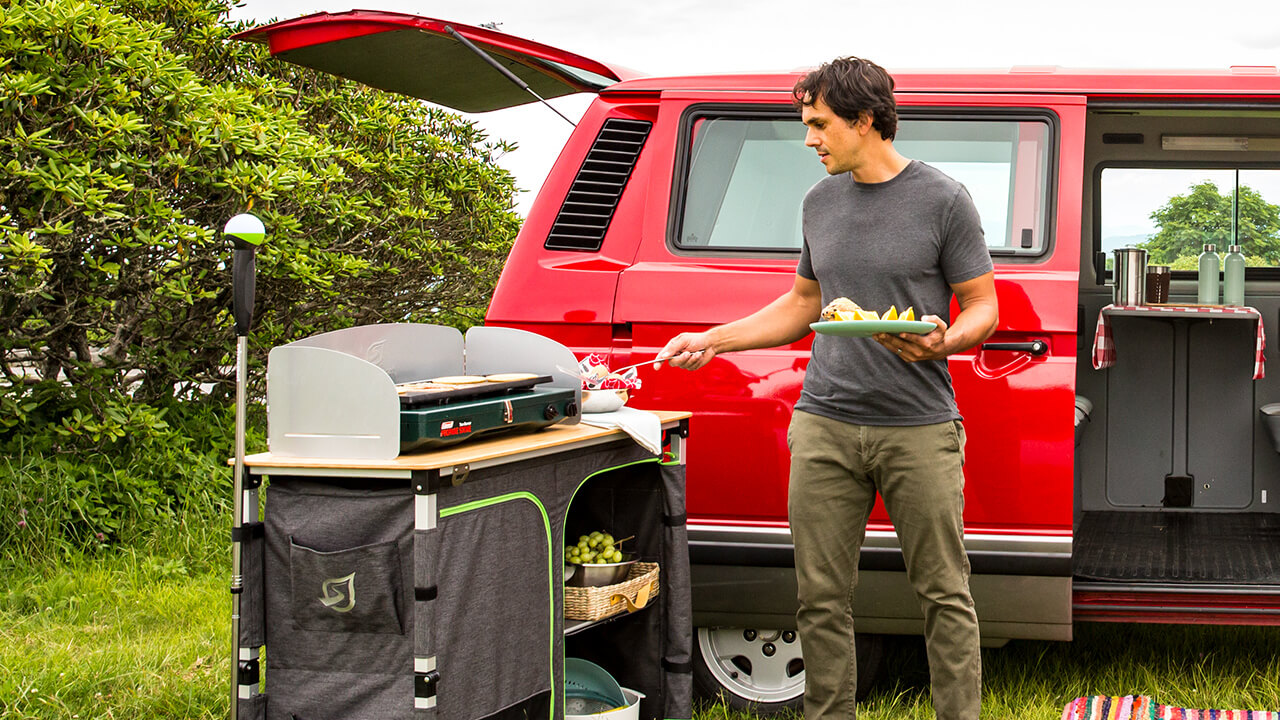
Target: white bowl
{"points": [[603, 401]]}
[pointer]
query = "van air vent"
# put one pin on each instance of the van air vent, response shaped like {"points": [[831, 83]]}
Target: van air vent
{"points": [[584, 217]]}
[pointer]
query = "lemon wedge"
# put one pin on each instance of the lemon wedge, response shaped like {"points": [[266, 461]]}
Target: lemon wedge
{"points": [[891, 313], [867, 315], [908, 314]]}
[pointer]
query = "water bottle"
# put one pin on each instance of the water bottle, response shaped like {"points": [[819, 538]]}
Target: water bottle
{"points": [[1233, 277], [1209, 267]]}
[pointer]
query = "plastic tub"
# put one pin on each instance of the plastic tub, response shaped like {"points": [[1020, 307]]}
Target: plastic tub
{"points": [[630, 711]]}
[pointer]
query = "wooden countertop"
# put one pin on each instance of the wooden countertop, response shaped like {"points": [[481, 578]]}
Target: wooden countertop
{"points": [[480, 452]]}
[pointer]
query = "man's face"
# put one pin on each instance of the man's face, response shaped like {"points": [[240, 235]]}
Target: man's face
{"points": [[838, 142]]}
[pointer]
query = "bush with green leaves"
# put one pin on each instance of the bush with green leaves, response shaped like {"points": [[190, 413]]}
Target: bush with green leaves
{"points": [[1186, 223], [85, 484], [132, 130]]}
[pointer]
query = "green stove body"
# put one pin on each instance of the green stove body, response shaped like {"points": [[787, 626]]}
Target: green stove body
{"points": [[457, 419]]}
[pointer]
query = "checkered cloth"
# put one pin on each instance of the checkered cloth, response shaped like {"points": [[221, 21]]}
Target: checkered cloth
{"points": [[1104, 346], [1141, 707]]}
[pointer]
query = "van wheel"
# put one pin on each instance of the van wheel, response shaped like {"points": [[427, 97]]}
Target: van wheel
{"points": [[762, 670]]}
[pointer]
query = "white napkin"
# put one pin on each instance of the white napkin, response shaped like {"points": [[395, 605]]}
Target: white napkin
{"points": [[644, 427]]}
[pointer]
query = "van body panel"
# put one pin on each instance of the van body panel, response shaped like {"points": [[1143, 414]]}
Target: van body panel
{"points": [[1018, 407], [1009, 606], [539, 284], [419, 57]]}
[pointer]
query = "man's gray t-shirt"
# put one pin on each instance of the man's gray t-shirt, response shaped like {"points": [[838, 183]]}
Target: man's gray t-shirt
{"points": [[902, 242]]}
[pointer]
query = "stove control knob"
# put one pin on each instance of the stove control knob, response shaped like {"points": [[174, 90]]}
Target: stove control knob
{"points": [[571, 409], [551, 413]]}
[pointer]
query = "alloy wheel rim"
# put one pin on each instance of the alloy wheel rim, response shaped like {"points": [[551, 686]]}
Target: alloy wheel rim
{"points": [[741, 661]]}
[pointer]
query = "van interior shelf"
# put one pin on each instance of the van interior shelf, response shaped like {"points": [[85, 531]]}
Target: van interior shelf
{"points": [[1183, 311], [1104, 347]]}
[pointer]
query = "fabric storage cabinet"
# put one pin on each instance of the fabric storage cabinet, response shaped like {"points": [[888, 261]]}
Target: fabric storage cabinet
{"points": [[431, 586]]}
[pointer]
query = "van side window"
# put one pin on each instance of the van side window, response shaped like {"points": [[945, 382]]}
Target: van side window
{"points": [[746, 178], [1173, 213]]}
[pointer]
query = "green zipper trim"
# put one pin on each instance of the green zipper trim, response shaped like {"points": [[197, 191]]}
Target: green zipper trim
{"points": [[551, 598], [605, 470]]}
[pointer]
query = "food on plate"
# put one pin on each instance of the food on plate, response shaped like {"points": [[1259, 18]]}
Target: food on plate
{"points": [[596, 548], [843, 309], [510, 377], [839, 308], [458, 380]]}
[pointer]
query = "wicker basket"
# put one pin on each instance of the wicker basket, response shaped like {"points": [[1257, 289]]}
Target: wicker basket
{"points": [[596, 603]]}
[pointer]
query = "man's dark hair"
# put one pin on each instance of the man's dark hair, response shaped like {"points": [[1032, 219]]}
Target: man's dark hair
{"points": [[851, 86]]}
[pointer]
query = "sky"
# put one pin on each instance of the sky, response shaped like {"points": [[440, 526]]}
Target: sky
{"points": [[664, 37]]}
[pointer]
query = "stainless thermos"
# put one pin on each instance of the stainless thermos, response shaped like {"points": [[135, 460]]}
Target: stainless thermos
{"points": [[1129, 272]]}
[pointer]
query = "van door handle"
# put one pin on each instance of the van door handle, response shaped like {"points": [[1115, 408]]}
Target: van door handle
{"points": [[1035, 347]]}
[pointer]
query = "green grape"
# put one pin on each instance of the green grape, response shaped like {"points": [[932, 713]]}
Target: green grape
{"points": [[583, 538]]}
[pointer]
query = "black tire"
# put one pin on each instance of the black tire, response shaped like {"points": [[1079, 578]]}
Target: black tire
{"points": [[762, 671]]}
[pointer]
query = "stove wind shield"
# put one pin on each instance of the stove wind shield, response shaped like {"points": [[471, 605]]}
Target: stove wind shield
{"points": [[335, 395]]}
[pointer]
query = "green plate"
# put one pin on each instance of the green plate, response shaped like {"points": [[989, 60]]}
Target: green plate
{"points": [[867, 328]]}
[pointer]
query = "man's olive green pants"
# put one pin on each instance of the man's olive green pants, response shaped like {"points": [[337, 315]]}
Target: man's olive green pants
{"points": [[836, 470]]}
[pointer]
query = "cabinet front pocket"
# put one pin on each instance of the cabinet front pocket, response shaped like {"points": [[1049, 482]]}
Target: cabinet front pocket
{"points": [[351, 591]]}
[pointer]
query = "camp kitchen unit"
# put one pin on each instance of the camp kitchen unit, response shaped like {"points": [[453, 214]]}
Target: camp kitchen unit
{"points": [[396, 573]]}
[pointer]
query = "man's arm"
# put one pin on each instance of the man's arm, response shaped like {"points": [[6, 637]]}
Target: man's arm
{"points": [[783, 321], [975, 322]]}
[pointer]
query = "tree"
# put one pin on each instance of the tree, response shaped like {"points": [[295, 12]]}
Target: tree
{"points": [[131, 130], [1187, 222]]}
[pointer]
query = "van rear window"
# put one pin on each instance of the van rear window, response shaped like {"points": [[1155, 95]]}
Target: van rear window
{"points": [[1173, 212], [746, 178]]}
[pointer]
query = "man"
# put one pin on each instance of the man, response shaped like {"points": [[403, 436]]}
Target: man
{"points": [[875, 416]]}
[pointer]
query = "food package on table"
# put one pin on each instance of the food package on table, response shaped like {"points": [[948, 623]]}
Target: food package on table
{"points": [[595, 366]]}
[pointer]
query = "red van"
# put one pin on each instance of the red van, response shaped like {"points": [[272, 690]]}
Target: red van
{"points": [[1144, 490]]}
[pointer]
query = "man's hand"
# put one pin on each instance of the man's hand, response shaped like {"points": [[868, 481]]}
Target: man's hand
{"points": [[911, 347], [686, 350], [783, 321], [978, 317]]}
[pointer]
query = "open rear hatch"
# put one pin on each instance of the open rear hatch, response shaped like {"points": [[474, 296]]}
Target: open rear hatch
{"points": [[423, 58]]}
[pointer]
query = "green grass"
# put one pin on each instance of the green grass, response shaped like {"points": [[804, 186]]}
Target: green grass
{"points": [[129, 637], [1200, 666], [145, 634]]}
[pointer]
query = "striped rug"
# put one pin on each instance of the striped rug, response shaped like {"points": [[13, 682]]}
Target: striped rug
{"points": [[1141, 707]]}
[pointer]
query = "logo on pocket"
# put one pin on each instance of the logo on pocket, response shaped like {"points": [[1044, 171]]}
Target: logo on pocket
{"points": [[339, 594]]}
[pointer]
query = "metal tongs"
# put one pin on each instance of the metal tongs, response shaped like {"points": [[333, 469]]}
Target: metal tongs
{"points": [[593, 383]]}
